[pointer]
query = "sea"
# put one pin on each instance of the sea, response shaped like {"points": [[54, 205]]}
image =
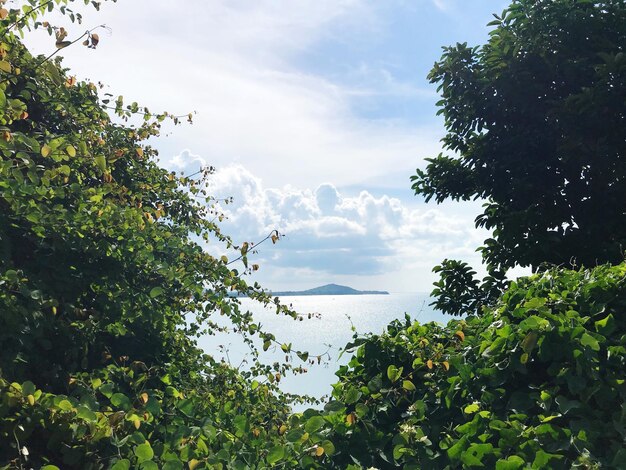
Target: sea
{"points": [[328, 324]]}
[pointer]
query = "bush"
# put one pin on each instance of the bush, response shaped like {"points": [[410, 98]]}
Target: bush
{"points": [[104, 286], [537, 380]]}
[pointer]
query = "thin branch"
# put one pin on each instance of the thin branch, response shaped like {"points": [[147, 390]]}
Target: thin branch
{"points": [[273, 233], [86, 33], [143, 113]]}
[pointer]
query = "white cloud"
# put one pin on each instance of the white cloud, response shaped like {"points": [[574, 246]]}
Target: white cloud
{"points": [[330, 236], [288, 129]]}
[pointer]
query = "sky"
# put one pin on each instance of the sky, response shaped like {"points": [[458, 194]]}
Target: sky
{"points": [[315, 114]]}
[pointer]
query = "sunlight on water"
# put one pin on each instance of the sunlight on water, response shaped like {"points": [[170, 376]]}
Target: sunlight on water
{"points": [[337, 314]]}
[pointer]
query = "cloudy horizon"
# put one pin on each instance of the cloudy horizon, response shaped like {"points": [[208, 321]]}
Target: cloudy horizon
{"points": [[315, 113]]}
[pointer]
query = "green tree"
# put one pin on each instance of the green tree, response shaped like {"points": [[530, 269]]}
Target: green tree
{"points": [[535, 122], [104, 286]]}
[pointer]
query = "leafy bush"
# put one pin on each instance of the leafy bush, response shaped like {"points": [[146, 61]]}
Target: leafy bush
{"points": [[104, 287], [537, 381]]}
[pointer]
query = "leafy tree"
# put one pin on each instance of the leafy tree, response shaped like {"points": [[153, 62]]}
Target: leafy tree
{"points": [[535, 120], [104, 287]]}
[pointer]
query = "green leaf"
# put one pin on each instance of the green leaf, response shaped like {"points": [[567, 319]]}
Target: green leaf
{"points": [[241, 423], [294, 435], [530, 341], [156, 291], [542, 459], [101, 163], [121, 401], [71, 151], [352, 395], [620, 458], [173, 465], [375, 384], [455, 451], [606, 326], [474, 455], [314, 423], [186, 407], [123, 464], [399, 451], [144, 452], [5, 66], [535, 303], [329, 447], [587, 340], [408, 385], [28, 388], [393, 373], [514, 462], [473, 408], [85, 413], [276, 454], [65, 405], [334, 405]]}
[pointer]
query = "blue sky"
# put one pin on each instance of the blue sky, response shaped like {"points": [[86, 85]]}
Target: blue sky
{"points": [[315, 112]]}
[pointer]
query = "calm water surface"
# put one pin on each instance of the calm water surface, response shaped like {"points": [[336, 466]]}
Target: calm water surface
{"points": [[329, 329]]}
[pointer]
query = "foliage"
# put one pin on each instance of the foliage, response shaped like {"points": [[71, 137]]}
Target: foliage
{"points": [[535, 382], [536, 121], [104, 286]]}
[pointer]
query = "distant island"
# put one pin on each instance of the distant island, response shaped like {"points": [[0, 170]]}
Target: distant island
{"points": [[331, 289]]}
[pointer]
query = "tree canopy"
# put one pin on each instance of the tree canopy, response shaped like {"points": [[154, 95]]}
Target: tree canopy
{"points": [[535, 123]]}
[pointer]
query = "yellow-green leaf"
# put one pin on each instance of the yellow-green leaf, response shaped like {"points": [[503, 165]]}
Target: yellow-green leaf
{"points": [[71, 151], [408, 385], [473, 408], [156, 291], [101, 162]]}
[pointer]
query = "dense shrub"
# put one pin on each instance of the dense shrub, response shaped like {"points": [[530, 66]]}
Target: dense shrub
{"points": [[104, 286], [536, 382]]}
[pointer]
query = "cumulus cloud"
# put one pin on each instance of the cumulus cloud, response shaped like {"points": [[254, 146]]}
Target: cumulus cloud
{"points": [[330, 235]]}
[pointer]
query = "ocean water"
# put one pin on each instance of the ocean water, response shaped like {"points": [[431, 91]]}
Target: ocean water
{"points": [[329, 329]]}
